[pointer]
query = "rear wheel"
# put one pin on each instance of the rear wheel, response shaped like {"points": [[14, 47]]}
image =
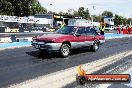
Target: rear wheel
{"points": [[94, 47], [65, 50]]}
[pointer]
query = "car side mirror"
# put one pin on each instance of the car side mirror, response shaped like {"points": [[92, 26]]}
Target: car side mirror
{"points": [[77, 34]]}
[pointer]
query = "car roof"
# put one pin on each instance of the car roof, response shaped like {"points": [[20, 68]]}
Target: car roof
{"points": [[80, 26]]}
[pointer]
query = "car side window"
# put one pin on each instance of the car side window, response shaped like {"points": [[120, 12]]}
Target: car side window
{"points": [[95, 31], [88, 31], [91, 31], [81, 31], [96, 28]]}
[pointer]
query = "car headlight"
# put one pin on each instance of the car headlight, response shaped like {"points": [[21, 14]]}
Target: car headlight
{"points": [[40, 43]]}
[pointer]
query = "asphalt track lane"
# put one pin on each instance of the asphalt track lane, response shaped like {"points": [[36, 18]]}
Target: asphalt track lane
{"points": [[114, 68], [21, 64]]}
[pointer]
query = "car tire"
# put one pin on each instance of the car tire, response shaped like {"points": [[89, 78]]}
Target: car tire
{"points": [[65, 50], [94, 47]]}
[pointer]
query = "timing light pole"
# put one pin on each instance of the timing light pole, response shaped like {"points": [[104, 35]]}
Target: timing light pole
{"points": [[131, 21], [92, 15]]}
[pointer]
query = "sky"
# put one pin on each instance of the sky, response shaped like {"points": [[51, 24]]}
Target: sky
{"points": [[120, 7]]}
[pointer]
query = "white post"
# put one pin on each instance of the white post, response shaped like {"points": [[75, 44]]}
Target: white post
{"points": [[91, 19], [92, 15], [131, 21]]}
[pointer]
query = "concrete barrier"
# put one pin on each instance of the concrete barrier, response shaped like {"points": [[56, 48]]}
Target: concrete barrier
{"points": [[26, 39], [22, 40], [5, 40]]}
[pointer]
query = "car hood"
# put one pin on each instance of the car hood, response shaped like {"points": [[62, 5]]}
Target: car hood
{"points": [[50, 36]]}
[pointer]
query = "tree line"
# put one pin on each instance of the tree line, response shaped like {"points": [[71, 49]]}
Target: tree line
{"points": [[32, 7], [84, 12], [21, 7]]}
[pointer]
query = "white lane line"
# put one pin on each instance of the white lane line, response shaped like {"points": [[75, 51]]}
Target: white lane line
{"points": [[64, 77], [14, 47]]}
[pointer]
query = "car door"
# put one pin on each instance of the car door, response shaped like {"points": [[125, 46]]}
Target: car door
{"points": [[74, 39], [90, 36], [101, 38], [82, 37]]}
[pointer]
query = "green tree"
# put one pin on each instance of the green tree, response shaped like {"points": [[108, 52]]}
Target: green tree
{"points": [[107, 14], [129, 20], [97, 18], [87, 15], [21, 7], [6, 8], [124, 21], [36, 8], [75, 13], [63, 13], [81, 12], [119, 20], [84, 13], [72, 12]]}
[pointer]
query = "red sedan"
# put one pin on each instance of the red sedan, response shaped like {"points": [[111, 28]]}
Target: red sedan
{"points": [[67, 38]]}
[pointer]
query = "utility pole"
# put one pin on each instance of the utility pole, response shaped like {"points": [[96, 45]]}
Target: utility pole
{"points": [[92, 15], [50, 10], [131, 21]]}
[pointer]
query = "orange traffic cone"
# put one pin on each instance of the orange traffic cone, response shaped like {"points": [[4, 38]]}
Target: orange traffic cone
{"points": [[81, 71]]}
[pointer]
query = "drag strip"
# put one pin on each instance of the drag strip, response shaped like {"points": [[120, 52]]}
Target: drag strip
{"points": [[21, 64], [68, 76]]}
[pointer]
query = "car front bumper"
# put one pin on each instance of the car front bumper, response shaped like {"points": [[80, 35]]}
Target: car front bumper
{"points": [[46, 46]]}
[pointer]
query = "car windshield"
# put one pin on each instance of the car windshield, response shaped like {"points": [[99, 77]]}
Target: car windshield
{"points": [[66, 30]]}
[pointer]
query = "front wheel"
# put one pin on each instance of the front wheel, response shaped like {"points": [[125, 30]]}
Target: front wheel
{"points": [[94, 47], [65, 50]]}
